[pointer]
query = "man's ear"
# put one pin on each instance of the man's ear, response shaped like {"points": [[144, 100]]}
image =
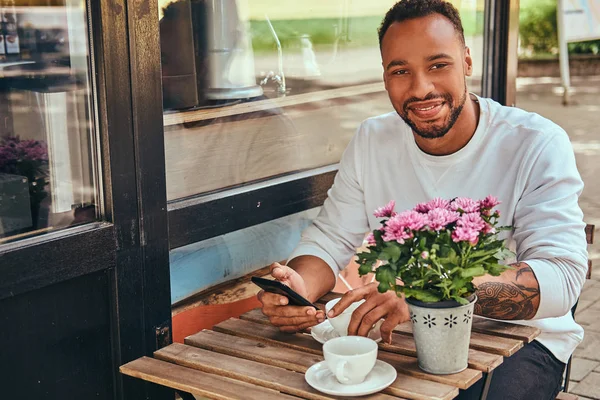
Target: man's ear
{"points": [[468, 62]]}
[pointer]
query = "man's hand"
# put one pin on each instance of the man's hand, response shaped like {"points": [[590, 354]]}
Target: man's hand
{"points": [[288, 318], [377, 305]]}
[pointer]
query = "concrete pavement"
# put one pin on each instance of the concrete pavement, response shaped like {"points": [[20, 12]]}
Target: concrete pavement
{"points": [[582, 122]]}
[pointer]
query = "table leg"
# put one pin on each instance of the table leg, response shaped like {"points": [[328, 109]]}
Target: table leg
{"points": [[486, 385]]}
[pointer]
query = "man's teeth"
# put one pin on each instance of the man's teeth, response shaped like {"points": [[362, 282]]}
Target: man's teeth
{"points": [[425, 109]]}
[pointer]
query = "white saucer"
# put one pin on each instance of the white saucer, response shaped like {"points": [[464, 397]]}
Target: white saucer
{"points": [[324, 332], [322, 379]]}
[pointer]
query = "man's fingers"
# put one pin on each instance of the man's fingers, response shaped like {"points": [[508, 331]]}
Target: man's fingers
{"points": [[298, 328], [296, 320], [348, 298], [273, 299], [358, 315], [280, 272], [388, 327], [369, 320]]}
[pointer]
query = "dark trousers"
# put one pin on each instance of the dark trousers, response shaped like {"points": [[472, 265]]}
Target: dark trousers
{"points": [[532, 373]]}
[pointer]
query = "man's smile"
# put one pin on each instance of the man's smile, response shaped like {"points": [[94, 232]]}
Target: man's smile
{"points": [[426, 110]]}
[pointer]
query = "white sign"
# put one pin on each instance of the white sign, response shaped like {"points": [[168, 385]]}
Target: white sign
{"points": [[581, 19]]}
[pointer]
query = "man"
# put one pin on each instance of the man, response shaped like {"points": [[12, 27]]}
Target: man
{"points": [[443, 141]]}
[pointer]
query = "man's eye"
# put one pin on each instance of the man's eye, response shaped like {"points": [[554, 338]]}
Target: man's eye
{"points": [[438, 66], [400, 72]]}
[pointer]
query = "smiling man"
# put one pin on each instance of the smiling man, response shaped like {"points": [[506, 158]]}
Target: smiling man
{"points": [[443, 141]]}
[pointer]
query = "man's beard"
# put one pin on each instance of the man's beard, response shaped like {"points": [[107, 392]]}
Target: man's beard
{"points": [[434, 132]]}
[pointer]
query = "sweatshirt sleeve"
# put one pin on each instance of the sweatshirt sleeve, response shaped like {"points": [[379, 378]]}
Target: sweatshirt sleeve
{"points": [[342, 223], [549, 228]]}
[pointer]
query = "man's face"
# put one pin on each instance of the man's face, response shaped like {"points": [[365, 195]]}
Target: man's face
{"points": [[425, 64]]}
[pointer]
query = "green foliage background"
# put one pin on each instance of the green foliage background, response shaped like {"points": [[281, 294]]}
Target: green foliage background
{"points": [[538, 30]]}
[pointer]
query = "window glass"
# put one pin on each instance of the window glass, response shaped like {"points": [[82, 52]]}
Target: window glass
{"points": [[47, 177], [258, 89]]}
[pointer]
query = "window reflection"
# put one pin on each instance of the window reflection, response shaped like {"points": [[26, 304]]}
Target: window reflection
{"points": [[46, 133], [253, 90]]}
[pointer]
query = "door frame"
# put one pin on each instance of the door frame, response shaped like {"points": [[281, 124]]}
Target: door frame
{"points": [[131, 244]]}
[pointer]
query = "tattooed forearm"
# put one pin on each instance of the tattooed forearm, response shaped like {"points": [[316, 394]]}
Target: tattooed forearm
{"points": [[513, 295]]}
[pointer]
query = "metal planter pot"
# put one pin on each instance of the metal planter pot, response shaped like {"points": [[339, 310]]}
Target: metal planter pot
{"points": [[442, 332]]}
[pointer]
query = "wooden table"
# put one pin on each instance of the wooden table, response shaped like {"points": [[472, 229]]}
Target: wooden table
{"points": [[247, 358]]}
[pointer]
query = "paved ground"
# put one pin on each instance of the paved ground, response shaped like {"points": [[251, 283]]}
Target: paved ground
{"points": [[582, 122]]}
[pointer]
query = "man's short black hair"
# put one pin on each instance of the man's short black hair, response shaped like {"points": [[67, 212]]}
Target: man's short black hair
{"points": [[410, 9]]}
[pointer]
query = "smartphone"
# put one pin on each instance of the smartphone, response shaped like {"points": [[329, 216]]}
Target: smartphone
{"points": [[273, 286]]}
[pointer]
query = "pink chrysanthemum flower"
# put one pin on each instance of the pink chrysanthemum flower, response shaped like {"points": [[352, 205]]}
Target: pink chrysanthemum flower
{"points": [[386, 211], [488, 229], [370, 239], [399, 226], [397, 235], [489, 202], [437, 203], [471, 220], [465, 204], [421, 208], [466, 234], [411, 219], [438, 218]]}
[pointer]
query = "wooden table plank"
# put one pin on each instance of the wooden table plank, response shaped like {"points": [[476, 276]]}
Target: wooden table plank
{"points": [[302, 342], [295, 360], [269, 334], [252, 372], [403, 344], [490, 344], [255, 350], [504, 329], [196, 382], [479, 360], [409, 366]]}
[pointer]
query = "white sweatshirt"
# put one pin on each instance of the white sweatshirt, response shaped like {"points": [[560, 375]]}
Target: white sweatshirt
{"points": [[522, 158]]}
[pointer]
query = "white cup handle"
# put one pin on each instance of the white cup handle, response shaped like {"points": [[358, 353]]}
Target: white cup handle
{"points": [[339, 372]]}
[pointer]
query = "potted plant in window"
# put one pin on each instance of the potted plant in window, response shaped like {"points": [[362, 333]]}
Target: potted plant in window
{"points": [[430, 255], [29, 159]]}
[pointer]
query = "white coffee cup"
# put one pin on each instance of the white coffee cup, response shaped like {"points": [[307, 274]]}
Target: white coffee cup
{"points": [[350, 358], [341, 321]]}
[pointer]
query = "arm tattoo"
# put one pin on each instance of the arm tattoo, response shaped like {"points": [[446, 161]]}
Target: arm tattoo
{"points": [[509, 300]]}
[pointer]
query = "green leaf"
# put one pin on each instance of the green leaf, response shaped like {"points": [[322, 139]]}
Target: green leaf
{"points": [[383, 287], [427, 296], [418, 282], [473, 271], [393, 252], [497, 269], [364, 269], [461, 300], [458, 283], [386, 274]]}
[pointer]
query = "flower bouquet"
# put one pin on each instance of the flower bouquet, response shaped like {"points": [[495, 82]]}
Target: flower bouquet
{"points": [[430, 255], [28, 158]]}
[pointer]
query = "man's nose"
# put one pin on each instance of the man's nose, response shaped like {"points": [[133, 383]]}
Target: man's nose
{"points": [[421, 86]]}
